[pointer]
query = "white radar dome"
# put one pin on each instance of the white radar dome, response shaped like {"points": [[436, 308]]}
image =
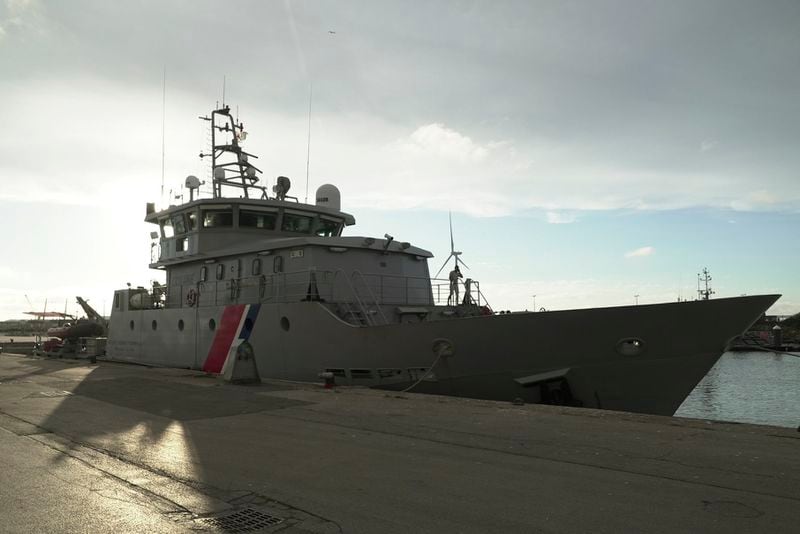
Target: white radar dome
{"points": [[328, 196]]}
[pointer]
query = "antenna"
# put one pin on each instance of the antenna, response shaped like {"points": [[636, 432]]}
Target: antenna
{"points": [[223, 90], [704, 276], [163, 128], [308, 150]]}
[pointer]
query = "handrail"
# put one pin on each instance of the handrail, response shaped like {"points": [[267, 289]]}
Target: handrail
{"points": [[363, 308], [358, 274], [380, 290]]}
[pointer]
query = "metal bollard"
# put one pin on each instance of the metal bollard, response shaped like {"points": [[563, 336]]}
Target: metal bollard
{"points": [[327, 376]]}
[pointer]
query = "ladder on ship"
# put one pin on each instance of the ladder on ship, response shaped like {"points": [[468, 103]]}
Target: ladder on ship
{"points": [[360, 311]]}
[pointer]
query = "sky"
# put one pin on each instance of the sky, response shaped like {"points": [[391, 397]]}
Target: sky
{"points": [[589, 152]]}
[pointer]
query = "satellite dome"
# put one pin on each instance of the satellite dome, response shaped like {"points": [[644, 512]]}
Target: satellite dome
{"points": [[328, 196]]}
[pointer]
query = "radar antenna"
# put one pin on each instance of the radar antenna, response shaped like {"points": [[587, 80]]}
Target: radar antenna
{"points": [[230, 164]]}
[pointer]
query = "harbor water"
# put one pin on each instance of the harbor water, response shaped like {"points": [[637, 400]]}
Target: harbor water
{"points": [[749, 387]]}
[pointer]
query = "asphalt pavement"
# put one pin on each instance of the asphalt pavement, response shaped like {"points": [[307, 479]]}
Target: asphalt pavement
{"points": [[113, 447]]}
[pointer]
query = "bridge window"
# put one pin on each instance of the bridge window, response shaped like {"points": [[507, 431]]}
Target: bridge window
{"points": [[166, 228], [328, 228], [191, 217], [257, 219], [296, 223], [217, 218], [179, 224]]}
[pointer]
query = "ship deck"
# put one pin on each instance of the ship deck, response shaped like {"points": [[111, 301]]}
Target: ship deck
{"points": [[114, 447]]}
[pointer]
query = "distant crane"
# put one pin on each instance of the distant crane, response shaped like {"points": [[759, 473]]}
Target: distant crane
{"points": [[91, 313], [453, 252]]}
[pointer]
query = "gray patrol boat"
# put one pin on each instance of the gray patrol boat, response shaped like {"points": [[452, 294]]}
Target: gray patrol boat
{"points": [[264, 278]]}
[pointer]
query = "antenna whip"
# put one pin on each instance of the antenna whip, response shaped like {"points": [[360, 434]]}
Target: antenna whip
{"points": [[163, 127], [308, 150]]}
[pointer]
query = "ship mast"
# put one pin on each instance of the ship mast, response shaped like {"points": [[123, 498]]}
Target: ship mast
{"points": [[704, 277], [230, 165]]}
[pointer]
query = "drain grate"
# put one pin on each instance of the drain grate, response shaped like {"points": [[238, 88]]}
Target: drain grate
{"points": [[244, 520]]}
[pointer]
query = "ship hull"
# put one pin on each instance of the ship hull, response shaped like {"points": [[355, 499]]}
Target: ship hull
{"points": [[634, 358]]}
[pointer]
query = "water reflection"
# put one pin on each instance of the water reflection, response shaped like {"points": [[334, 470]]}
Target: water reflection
{"points": [[748, 387]]}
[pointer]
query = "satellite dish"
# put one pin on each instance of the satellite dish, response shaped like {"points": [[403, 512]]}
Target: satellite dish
{"points": [[192, 182], [282, 187]]}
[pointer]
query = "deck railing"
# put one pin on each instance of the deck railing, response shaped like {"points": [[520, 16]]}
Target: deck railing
{"points": [[328, 286]]}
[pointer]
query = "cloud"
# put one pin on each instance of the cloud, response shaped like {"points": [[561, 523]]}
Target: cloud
{"points": [[641, 252], [555, 217], [409, 112], [440, 141], [707, 145]]}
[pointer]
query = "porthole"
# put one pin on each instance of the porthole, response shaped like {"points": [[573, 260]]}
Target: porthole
{"points": [[285, 323], [154, 325], [131, 324], [630, 346], [180, 325], [248, 324], [212, 324]]}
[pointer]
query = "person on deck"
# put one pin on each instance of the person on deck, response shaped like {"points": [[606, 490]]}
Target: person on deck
{"points": [[455, 274]]}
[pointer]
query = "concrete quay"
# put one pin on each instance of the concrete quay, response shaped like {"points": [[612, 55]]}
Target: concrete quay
{"points": [[112, 447]]}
